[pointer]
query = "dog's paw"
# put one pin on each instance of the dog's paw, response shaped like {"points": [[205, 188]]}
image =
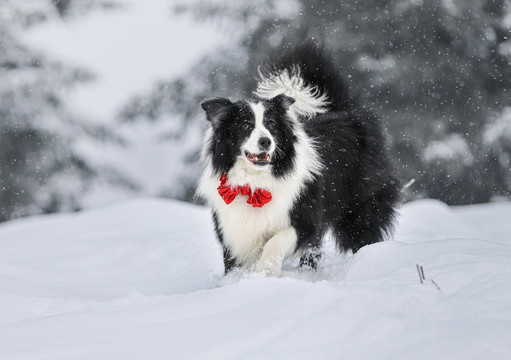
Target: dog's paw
{"points": [[269, 267]]}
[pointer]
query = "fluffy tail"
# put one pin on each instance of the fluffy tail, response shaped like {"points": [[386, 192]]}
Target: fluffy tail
{"points": [[308, 74]]}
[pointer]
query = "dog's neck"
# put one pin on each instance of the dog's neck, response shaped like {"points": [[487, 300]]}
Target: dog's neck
{"points": [[244, 173]]}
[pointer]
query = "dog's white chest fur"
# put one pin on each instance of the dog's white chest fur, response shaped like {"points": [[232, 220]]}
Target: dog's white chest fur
{"points": [[246, 229]]}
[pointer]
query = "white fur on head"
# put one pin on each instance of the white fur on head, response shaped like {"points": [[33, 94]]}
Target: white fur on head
{"points": [[309, 99], [259, 131]]}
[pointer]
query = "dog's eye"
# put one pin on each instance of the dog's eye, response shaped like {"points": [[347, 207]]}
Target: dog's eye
{"points": [[270, 125], [246, 126]]}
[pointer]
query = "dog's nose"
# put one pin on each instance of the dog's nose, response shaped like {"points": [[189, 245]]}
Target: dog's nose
{"points": [[265, 143]]}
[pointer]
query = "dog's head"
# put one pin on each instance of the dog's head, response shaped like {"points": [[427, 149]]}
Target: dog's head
{"points": [[258, 132]]}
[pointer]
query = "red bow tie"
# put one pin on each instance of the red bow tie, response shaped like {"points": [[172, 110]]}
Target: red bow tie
{"points": [[256, 198]]}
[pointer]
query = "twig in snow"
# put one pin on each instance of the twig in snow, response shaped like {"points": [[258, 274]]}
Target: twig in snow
{"points": [[422, 277], [438, 287], [421, 273], [408, 184]]}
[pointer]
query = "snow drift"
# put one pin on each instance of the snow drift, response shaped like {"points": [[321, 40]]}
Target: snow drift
{"points": [[143, 279]]}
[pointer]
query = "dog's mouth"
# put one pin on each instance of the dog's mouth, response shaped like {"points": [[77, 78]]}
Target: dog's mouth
{"points": [[258, 159]]}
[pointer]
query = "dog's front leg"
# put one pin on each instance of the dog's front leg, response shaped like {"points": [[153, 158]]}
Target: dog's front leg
{"points": [[281, 245]]}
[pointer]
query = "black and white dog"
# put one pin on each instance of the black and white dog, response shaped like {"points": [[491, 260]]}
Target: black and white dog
{"points": [[298, 159]]}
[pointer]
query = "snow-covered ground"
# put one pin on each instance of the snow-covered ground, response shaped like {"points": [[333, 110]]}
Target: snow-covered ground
{"points": [[143, 280]]}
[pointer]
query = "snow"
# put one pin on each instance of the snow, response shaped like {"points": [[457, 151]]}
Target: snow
{"points": [[500, 128], [143, 279], [453, 147]]}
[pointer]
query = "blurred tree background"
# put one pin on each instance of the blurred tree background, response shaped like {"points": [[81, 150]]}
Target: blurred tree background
{"points": [[40, 170], [437, 72]]}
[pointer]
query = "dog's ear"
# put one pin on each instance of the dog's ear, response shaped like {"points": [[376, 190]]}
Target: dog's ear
{"points": [[215, 107], [283, 100]]}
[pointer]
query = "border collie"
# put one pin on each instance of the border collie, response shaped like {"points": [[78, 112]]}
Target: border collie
{"points": [[298, 159]]}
